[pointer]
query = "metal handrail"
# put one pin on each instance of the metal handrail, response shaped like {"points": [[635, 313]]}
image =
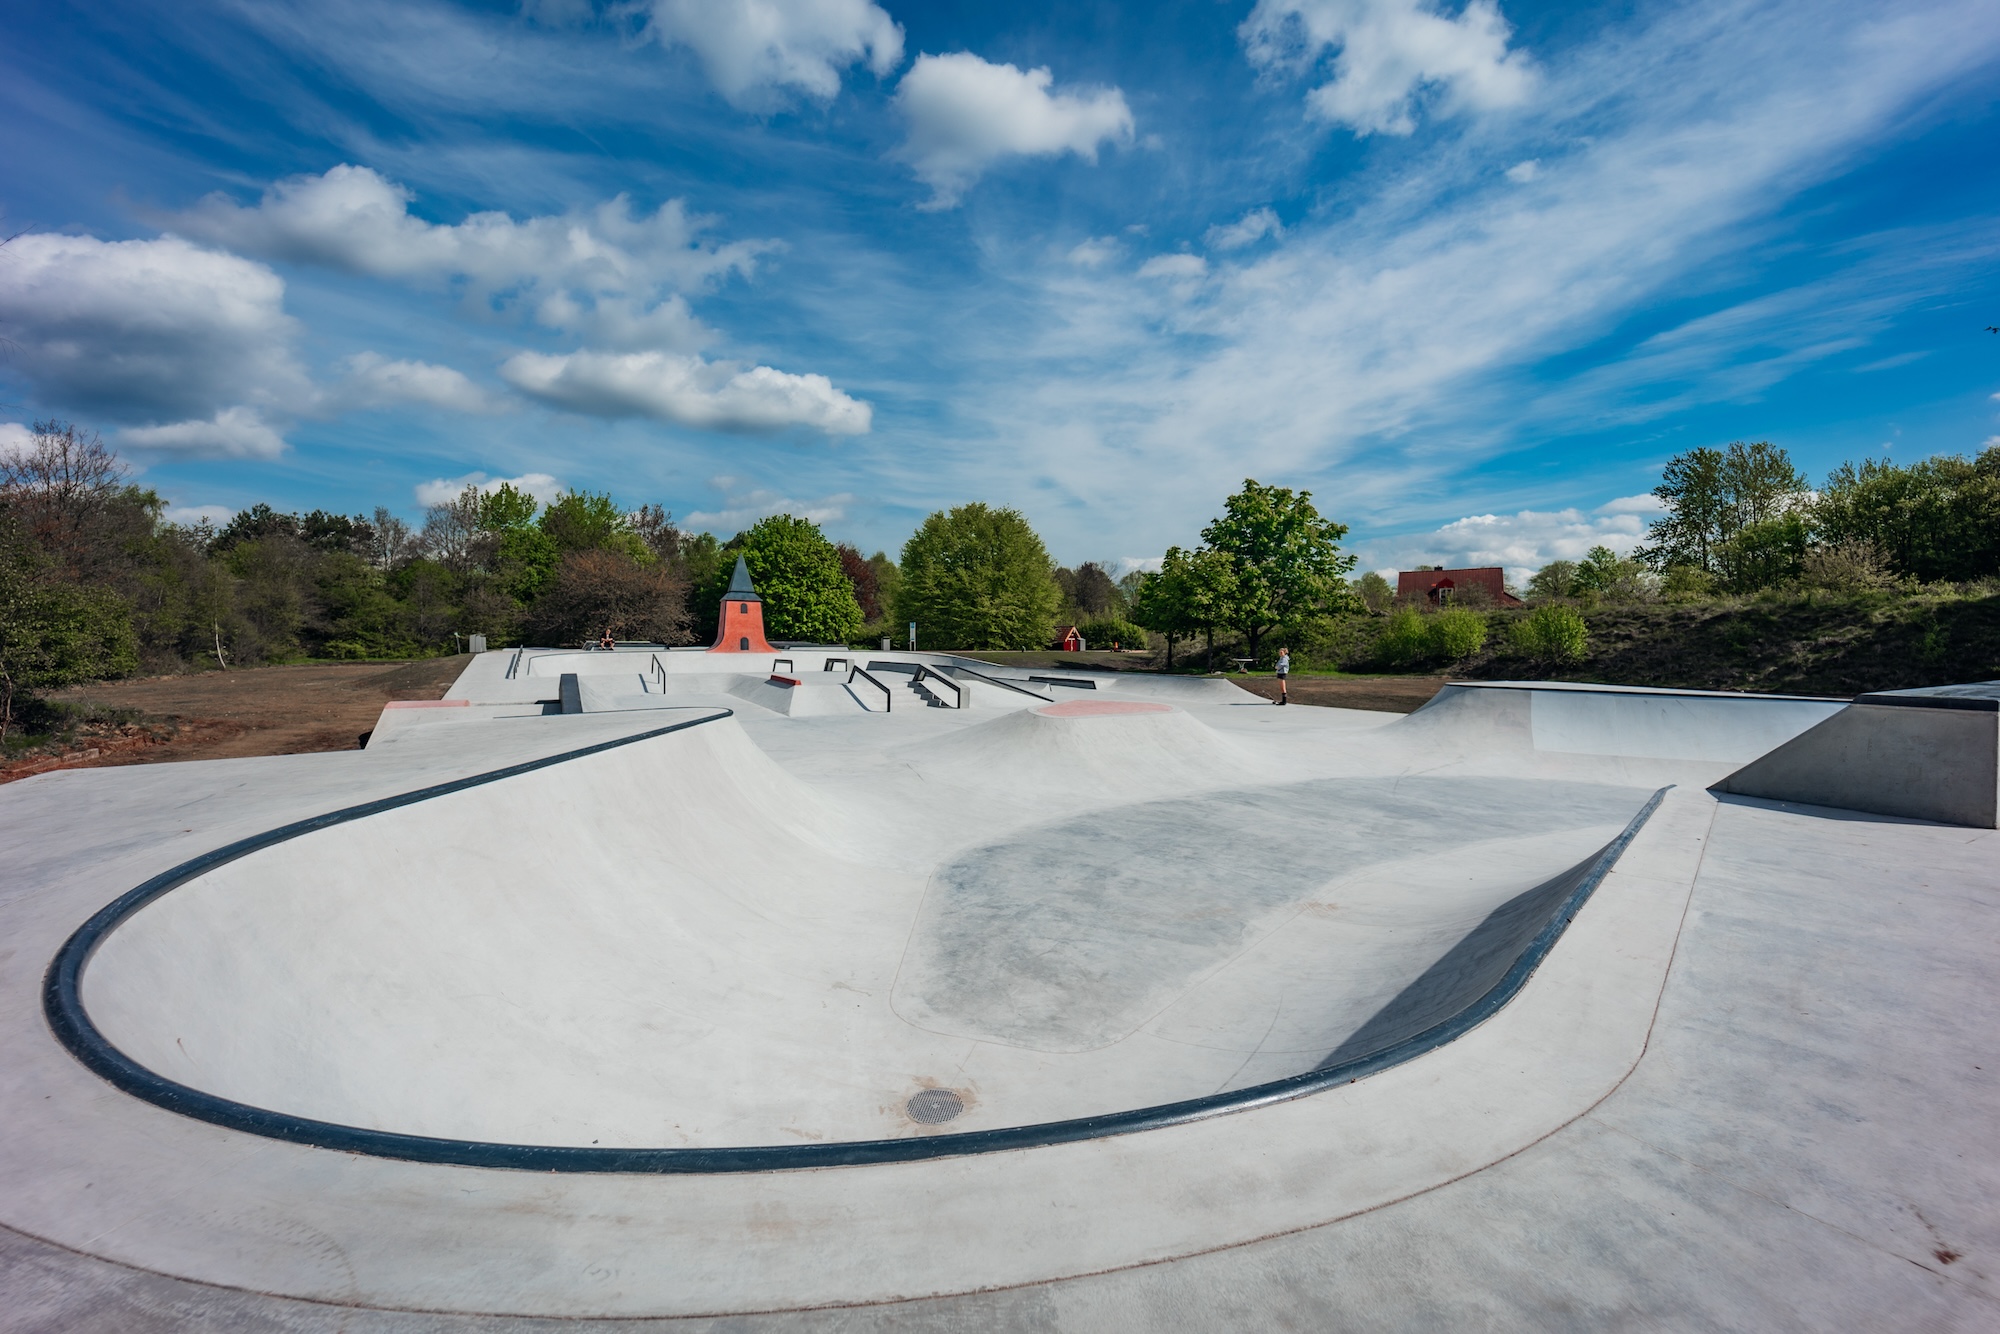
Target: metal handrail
{"points": [[957, 690], [888, 695], [515, 665], [1000, 681]]}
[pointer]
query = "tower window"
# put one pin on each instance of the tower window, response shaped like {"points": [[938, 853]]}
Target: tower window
{"points": [[743, 644]]}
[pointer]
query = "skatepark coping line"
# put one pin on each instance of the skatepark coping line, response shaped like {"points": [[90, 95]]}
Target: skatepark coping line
{"points": [[62, 1006]]}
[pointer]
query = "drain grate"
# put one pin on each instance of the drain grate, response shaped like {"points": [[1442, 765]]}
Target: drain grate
{"points": [[930, 1107]]}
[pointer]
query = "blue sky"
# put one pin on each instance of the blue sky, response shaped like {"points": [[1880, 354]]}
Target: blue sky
{"points": [[1470, 273]]}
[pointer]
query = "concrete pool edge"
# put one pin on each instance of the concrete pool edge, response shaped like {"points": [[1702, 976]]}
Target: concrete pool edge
{"points": [[73, 1027]]}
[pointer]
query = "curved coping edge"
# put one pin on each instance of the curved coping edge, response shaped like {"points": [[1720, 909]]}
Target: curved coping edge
{"points": [[62, 1005]]}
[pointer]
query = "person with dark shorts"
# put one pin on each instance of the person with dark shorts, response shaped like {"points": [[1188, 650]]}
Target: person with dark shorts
{"points": [[1284, 670]]}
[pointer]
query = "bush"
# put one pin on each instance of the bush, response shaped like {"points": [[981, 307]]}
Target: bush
{"points": [[1404, 640], [1455, 634], [1105, 633], [1552, 634]]}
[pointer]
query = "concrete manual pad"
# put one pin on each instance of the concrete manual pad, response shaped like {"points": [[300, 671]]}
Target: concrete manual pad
{"points": [[777, 929]]}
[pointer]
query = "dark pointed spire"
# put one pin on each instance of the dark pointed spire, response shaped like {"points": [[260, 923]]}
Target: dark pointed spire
{"points": [[740, 588]]}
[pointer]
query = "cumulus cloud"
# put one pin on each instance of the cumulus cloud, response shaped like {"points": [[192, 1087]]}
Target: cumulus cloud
{"points": [[233, 433], [15, 440], [687, 391], [148, 331], [965, 114], [439, 490], [1184, 267], [740, 509], [375, 382], [606, 264], [1249, 229], [1521, 543], [754, 50], [1390, 52]]}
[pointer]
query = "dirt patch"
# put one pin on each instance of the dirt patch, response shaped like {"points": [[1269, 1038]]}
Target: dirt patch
{"points": [[291, 710], [1386, 694]]}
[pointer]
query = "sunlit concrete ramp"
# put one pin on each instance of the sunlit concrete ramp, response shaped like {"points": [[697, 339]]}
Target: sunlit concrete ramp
{"points": [[1708, 726], [679, 1005]]}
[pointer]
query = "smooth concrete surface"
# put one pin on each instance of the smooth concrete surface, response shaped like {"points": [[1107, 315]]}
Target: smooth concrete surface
{"points": [[1938, 763], [1746, 1089]]}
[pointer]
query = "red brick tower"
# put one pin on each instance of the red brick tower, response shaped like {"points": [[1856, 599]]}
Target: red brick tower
{"points": [[740, 629]]}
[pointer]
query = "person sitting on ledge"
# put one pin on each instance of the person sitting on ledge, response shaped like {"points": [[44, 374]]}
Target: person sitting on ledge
{"points": [[607, 642]]}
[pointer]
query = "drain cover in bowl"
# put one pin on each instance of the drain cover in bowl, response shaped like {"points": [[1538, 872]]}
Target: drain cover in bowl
{"points": [[929, 1107]]}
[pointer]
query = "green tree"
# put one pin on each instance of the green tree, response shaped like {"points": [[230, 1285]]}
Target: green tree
{"points": [[1767, 554], [1711, 493], [1935, 520], [597, 589], [54, 633], [977, 577], [798, 573], [1456, 633], [1374, 592], [505, 507], [1553, 582], [586, 521], [1163, 602], [1285, 559]]}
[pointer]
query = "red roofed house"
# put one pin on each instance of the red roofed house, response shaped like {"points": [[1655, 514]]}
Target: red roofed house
{"points": [[1068, 640], [1441, 587]]}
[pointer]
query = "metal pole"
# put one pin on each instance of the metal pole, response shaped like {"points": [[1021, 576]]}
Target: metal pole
{"points": [[913, 636]]}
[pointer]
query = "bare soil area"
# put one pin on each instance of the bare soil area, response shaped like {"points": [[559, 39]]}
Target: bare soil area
{"points": [[1387, 694], [289, 710]]}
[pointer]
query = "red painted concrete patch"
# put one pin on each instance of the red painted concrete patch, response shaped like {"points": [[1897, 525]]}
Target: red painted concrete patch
{"points": [[1099, 708]]}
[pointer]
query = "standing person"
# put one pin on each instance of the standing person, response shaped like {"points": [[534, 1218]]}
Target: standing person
{"points": [[1284, 670]]}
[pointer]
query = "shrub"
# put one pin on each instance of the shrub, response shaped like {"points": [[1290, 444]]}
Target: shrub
{"points": [[1552, 634], [1404, 640], [1456, 633], [1105, 633]]}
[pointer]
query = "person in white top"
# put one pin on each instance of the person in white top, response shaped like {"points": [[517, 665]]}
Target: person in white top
{"points": [[1284, 670]]}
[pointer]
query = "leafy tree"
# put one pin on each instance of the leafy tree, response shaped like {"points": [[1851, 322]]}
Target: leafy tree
{"points": [[1553, 582], [806, 591], [1285, 559], [506, 507], [452, 531], [867, 584], [1112, 633], [1091, 592], [585, 521], [1934, 520], [977, 577], [596, 589], [1456, 633], [1374, 592], [1711, 493], [1164, 601], [1405, 640], [54, 633], [1604, 574], [1763, 555]]}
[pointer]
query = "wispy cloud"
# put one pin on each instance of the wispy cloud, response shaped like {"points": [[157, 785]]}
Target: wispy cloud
{"points": [[740, 509], [439, 491], [687, 391]]}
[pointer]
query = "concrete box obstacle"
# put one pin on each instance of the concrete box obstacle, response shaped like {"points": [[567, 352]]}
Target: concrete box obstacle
{"points": [[1928, 754]]}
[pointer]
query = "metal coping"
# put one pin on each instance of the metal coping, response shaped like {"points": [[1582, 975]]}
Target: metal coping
{"points": [[62, 1004], [1595, 688]]}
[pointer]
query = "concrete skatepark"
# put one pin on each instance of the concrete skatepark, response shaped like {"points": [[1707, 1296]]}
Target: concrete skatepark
{"points": [[819, 989]]}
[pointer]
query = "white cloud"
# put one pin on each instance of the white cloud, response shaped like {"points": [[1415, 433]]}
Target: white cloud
{"points": [[1520, 543], [741, 509], [233, 433], [605, 264], [1645, 504], [441, 489], [965, 114], [1390, 52], [1098, 250], [144, 331], [754, 49], [1249, 229], [15, 440], [1174, 266], [1523, 172], [190, 515], [375, 382], [687, 390]]}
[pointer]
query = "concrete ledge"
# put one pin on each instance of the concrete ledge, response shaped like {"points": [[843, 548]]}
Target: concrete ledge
{"points": [[1923, 761]]}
